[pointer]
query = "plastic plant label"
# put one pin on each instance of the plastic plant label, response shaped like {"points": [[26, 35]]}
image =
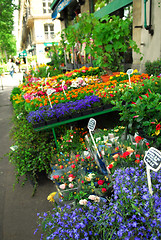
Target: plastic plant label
{"points": [[91, 124], [50, 91], [153, 159], [63, 83], [153, 162], [129, 71]]}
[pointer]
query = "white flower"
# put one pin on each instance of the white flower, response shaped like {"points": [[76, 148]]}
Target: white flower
{"points": [[70, 179], [94, 198], [83, 202], [91, 175], [71, 185], [62, 186]]}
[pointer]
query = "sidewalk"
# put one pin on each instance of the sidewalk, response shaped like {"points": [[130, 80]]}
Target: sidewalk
{"points": [[18, 209]]}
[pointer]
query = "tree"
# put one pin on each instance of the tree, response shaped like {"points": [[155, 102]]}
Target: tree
{"points": [[99, 4], [7, 40]]}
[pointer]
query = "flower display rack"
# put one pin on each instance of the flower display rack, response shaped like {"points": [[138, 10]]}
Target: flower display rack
{"points": [[52, 126]]}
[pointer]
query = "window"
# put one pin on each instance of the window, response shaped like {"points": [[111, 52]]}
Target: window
{"points": [[49, 31], [46, 6]]}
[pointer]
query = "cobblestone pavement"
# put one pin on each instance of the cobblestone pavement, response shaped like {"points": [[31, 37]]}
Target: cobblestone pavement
{"points": [[18, 209]]}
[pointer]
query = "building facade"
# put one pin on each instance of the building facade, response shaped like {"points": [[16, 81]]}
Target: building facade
{"points": [[146, 27], [36, 29]]}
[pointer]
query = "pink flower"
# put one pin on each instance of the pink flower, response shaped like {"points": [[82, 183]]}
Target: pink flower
{"points": [[104, 190], [136, 116], [71, 185], [62, 186]]}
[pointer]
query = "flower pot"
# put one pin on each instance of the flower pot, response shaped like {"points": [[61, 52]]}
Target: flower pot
{"points": [[105, 78], [36, 125]]}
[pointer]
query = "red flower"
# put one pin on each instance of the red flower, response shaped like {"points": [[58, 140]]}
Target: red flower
{"points": [[125, 154], [149, 90], [137, 155], [82, 181], [73, 166], [158, 126], [140, 97], [71, 175], [100, 182], [110, 166], [137, 161], [138, 139], [56, 176], [133, 103], [61, 167], [147, 144], [111, 95], [104, 190], [147, 94]]}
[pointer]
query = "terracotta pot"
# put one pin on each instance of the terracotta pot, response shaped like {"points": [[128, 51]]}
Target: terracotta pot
{"points": [[106, 77]]}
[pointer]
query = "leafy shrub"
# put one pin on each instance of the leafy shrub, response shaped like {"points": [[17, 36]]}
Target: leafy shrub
{"points": [[153, 68]]}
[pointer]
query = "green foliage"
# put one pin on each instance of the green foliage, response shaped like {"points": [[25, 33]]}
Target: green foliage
{"points": [[106, 39], [32, 155], [57, 57], [153, 68], [140, 108], [7, 40]]}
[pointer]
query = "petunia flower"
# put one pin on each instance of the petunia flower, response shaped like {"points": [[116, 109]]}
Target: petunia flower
{"points": [[100, 182], [138, 139]]}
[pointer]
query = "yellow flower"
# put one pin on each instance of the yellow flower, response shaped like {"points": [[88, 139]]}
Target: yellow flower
{"points": [[50, 198]]}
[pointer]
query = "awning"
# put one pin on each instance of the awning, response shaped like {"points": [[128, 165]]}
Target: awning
{"points": [[49, 44], [59, 7], [112, 7]]}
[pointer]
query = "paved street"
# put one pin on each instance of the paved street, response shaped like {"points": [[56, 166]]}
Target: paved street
{"points": [[18, 208]]}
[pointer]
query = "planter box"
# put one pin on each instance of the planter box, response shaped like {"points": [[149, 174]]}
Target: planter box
{"points": [[87, 112], [63, 118], [36, 125], [97, 109], [108, 106], [76, 114], [51, 121]]}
